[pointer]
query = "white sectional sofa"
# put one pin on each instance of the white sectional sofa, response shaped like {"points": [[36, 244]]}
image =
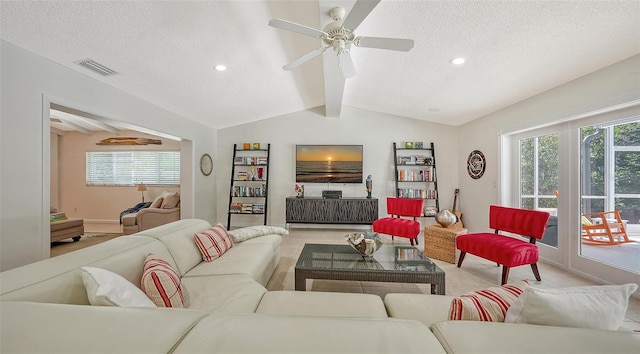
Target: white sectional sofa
{"points": [[44, 308]]}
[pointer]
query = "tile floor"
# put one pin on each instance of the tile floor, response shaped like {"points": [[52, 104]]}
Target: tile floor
{"points": [[475, 273]]}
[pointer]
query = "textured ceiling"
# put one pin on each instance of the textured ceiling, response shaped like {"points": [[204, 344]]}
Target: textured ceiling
{"points": [[165, 51]]}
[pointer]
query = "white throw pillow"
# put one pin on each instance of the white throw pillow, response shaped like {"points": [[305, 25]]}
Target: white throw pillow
{"points": [[105, 288], [249, 232], [597, 307]]}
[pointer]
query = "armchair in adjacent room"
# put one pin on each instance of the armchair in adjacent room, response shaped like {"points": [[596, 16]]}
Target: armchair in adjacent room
{"points": [[164, 209]]}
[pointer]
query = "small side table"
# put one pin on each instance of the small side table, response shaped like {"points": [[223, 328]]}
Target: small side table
{"points": [[440, 242]]}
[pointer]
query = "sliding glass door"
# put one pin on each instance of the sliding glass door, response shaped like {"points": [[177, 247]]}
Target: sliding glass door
{"points": [[610, 194], [576, 171]]}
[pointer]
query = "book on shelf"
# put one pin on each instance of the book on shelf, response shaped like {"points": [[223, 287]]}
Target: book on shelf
{"points": [[425, 175], [250, 160], [235, 208], [242, 176], [414, 160], [417, 193], [246, 191], [247, 208]]}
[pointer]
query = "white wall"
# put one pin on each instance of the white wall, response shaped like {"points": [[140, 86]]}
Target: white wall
{"points": [[28, 80], [375, 131], [101, 203], [610, 86]]}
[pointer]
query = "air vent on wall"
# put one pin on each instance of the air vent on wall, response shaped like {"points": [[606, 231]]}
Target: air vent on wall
{"points": [[96, 67]]}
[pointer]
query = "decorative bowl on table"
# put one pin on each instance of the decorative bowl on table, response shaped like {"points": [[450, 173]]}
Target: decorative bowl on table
{"points": [[365, 243]]}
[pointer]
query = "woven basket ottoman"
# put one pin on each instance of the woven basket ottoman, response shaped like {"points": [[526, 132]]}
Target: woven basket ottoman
{"points": [[440, 242]]}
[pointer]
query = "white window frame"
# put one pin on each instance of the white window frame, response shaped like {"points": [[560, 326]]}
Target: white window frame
{"points": [[536, 196]]}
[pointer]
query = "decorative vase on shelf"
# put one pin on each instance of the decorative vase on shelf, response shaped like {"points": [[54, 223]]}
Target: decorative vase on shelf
{"points": [[446, 218], [299, 190], [369, 185]]}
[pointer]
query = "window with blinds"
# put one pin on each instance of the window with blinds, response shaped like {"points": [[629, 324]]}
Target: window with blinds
{"points": [[118, 168]]}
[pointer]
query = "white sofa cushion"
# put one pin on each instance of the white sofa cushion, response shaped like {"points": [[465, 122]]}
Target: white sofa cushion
{"points": [[59, 279], [213, 242], [178, 238], [250, 259], [597, 307], [236, 293], [272, 240], [317, 303], [105, 288], [425, 308], [500, 337], [256, 333], [57, 328]]}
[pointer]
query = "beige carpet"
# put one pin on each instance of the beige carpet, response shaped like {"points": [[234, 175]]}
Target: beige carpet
{"points": [[88, 239]]}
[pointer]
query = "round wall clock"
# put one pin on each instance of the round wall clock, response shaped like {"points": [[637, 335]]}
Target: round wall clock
{"points": [[476, 164]]}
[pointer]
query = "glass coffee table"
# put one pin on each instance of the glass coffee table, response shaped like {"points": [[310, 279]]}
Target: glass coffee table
{"points": [[398, 264]]}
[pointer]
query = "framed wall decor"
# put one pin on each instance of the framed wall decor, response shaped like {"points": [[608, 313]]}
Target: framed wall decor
{"points": [[476, 164], [206, 164]]}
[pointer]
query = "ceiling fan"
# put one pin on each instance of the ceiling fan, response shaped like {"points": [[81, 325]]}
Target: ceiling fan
{"points": [[339, 36]]}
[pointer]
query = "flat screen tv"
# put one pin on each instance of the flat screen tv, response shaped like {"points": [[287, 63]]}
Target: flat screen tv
{"points": [[329, 163]]}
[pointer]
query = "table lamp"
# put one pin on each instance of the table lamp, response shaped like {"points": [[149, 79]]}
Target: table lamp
{"points": [[141, 188]]}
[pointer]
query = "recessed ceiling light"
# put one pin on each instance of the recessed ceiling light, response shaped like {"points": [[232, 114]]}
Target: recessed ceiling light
{"points": [[458, 61], [221, 67]]}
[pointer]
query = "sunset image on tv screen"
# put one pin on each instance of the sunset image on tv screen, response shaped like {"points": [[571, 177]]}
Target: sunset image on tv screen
{"points": [[329, 163]]}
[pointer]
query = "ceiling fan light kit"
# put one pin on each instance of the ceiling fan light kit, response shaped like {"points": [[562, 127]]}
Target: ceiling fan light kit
{"points": [[339, 36]]}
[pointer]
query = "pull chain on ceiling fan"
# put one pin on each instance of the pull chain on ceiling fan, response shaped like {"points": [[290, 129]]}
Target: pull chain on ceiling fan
{"points": [[339, 36]]}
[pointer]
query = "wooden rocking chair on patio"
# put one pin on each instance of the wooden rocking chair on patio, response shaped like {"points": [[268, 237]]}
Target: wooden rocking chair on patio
{"points": [[611, 230]]}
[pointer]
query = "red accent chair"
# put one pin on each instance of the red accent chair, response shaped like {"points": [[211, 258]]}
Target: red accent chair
{"points": [[395, 224], [505, 250]]}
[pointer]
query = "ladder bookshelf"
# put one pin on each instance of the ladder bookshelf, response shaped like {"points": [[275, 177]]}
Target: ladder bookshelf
{"points": [[415, 170], [249, 186]]}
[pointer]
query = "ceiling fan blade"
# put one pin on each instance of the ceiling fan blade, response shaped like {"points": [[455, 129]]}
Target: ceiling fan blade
{"points": [[303, 59], [401, 44], [359, 11], [346, 65], [295, 27]]}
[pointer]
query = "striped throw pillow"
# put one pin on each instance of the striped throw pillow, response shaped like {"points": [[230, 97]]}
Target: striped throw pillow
{"points": [[486, 305], [213, 242], [161, 283]]}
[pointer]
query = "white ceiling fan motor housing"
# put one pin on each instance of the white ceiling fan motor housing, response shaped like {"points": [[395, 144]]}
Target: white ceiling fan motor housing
{"points": [[337, 13], [337, 37]]}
